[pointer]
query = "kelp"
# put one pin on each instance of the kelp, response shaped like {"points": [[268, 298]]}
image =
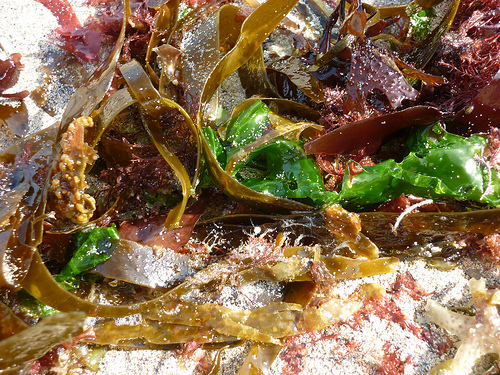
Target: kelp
{"points": [[419, 227], [421, 54], [291, 72], [10, 324], [363, 20], [21, 227], [38, 271], [165, 23], [254, 31], [259, 359], [142, 265], [18, 351], [219, 323], [155, 105], [308, 252], [24, 232]]}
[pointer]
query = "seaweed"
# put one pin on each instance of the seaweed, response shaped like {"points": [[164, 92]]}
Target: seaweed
{"points": [[161, 140], [10, 69]]}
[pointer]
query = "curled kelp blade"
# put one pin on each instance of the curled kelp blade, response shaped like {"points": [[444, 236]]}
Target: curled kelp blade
{"points": [[112, 106], [164, 26], [155, 105], [254, 31], [254, 79], [20, 350], [21, 228], [23, 233], [216, 33]]}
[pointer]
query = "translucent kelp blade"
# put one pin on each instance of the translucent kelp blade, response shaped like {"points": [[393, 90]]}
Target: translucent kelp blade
{"points": [[10, 324], [254, 79], [108, 332], [426, 226], [256, 28], [139, 264], [254, 31], [260, 324], [24, 232], [115, 104], [164, 26], [371, 132], [197, 63], [22, 224], [347, 268], [300, 76], [19, 351], [259, 359], [155, 105]]}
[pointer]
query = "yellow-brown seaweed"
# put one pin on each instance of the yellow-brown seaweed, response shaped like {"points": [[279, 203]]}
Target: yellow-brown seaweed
{"points": [[67, 195]]}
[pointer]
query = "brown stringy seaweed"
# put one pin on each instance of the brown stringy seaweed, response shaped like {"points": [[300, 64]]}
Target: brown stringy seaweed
{"points": [[67, 195]]}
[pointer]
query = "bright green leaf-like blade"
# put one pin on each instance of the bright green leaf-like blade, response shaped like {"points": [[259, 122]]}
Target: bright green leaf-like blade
{"points": [[290, 173], [283, 167], [439, 164], [92, 248]]}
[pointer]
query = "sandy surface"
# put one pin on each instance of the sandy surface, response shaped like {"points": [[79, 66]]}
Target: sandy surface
{"points": [[26, 28]]}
